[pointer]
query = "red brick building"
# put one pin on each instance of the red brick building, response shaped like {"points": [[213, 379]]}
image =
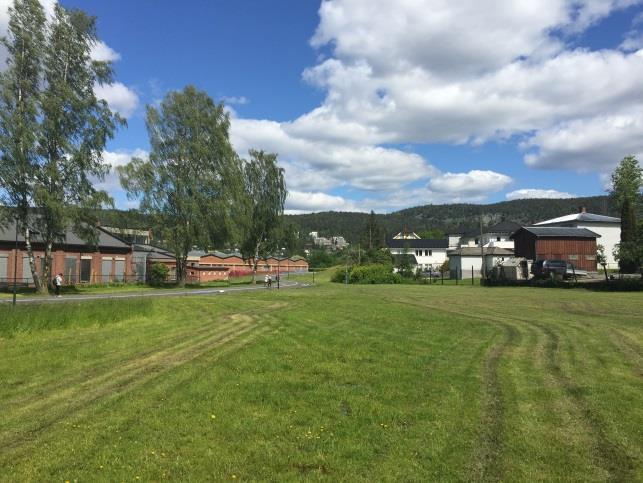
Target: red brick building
{"points": [[574, 245], [79, 262]]}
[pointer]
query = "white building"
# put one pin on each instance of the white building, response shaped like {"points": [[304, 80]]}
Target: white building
{"points": [[466, 262], [608, 227], [405, 235], [492, 236], [429, 253]]}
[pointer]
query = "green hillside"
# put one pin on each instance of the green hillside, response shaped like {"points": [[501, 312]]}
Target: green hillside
{"points": [[448, 218]]}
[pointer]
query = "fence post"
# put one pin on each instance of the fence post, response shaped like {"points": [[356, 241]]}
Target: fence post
{"points": [[442, 275], [456, 275], [471, 274]]}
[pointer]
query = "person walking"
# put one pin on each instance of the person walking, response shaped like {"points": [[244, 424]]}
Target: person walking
{"points": [[265, 280], [58, 281], [269, 281]]}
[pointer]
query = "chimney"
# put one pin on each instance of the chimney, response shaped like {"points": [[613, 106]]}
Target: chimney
{"points": [[582, 209]]}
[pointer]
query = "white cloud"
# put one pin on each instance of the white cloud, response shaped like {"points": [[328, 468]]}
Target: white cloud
{"points": [[361, 166], [103, 52], [120, 98], [241, 100], [306, 202], [111, 183], [457, 72], [596, 143], [471, 185], [528, 193]]}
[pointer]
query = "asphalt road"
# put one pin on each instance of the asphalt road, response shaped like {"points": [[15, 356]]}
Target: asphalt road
{"points": [[285, 284]]}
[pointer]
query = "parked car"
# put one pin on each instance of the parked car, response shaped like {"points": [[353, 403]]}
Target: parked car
{"points": [[572, 270], [546, 268]]}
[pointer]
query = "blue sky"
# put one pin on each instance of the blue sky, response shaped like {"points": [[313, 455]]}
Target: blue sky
{"points": [[373, 104]]}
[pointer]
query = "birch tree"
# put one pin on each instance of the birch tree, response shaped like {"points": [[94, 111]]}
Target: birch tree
{"points": [[189, 182], [60, 126], [265, 193], [20, 87]]}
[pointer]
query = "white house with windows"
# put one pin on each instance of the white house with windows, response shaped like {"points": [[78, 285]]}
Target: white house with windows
{"points": [[492, 236], [608, 227], [428, 253]]}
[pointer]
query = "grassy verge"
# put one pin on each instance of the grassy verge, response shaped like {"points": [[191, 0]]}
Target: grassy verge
{"points": [[417, 383]]}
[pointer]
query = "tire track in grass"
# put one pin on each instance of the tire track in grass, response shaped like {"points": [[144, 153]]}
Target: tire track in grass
{"points": [[97, 376], [95, 370], [176, 340], [485, 462], [613, 457], [76, 398], [19, 452]]}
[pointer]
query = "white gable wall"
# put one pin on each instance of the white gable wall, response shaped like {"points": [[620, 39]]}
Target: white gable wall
{"points": [[426, 257], [610, 236]]}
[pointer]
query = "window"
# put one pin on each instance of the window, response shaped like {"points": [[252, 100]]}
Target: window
{"points": [[430, 253], [590, 257], [4, 267], [86, 269], [476, 242], [497, 238], [573, 257], [70, 273], [426, 253]]}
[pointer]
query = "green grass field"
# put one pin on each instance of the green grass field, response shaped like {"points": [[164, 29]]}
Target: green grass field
{"points": [[366, 383]]}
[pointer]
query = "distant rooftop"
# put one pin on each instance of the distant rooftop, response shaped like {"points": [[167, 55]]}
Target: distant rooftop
{"points": [[421, 243], [104, 239], [475, 251], [559, 231], [580, 217]]}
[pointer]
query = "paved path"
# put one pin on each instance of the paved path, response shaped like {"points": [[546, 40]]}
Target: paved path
{"points": [[285, 284]]}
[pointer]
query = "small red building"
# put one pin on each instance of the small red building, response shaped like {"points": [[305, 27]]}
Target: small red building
{"points": [[574, 245]]}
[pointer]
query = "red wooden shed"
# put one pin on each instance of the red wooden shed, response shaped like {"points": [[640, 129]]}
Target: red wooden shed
{"points": [[575, 245]]}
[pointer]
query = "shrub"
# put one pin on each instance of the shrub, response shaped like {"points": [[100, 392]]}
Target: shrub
{"points": [[158, 274], [339, 275], [375, 273]]}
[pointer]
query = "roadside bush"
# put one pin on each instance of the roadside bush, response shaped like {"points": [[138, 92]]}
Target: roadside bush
{"points": [[339, 274], [158, 274], [375, 273]]}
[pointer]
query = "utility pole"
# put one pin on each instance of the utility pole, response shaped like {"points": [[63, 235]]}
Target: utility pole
{"points": [[15, 266], [481, 251]]}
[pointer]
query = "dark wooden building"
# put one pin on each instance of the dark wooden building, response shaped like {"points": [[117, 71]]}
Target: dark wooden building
{"points": [[575, 245]]}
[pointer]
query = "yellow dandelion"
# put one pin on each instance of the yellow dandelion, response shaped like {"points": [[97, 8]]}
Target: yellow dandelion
{"points": [[212, 416]]}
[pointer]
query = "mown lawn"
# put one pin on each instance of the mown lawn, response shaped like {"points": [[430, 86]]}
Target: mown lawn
{"points": [[409, 383]]}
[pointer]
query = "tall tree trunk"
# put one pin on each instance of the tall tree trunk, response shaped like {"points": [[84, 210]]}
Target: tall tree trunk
{"points": [[47, 268], [181, 270], [37, 280], [255, 263]]}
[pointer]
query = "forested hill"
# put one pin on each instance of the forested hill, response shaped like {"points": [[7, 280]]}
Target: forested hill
{"points": [[448, 218]]}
